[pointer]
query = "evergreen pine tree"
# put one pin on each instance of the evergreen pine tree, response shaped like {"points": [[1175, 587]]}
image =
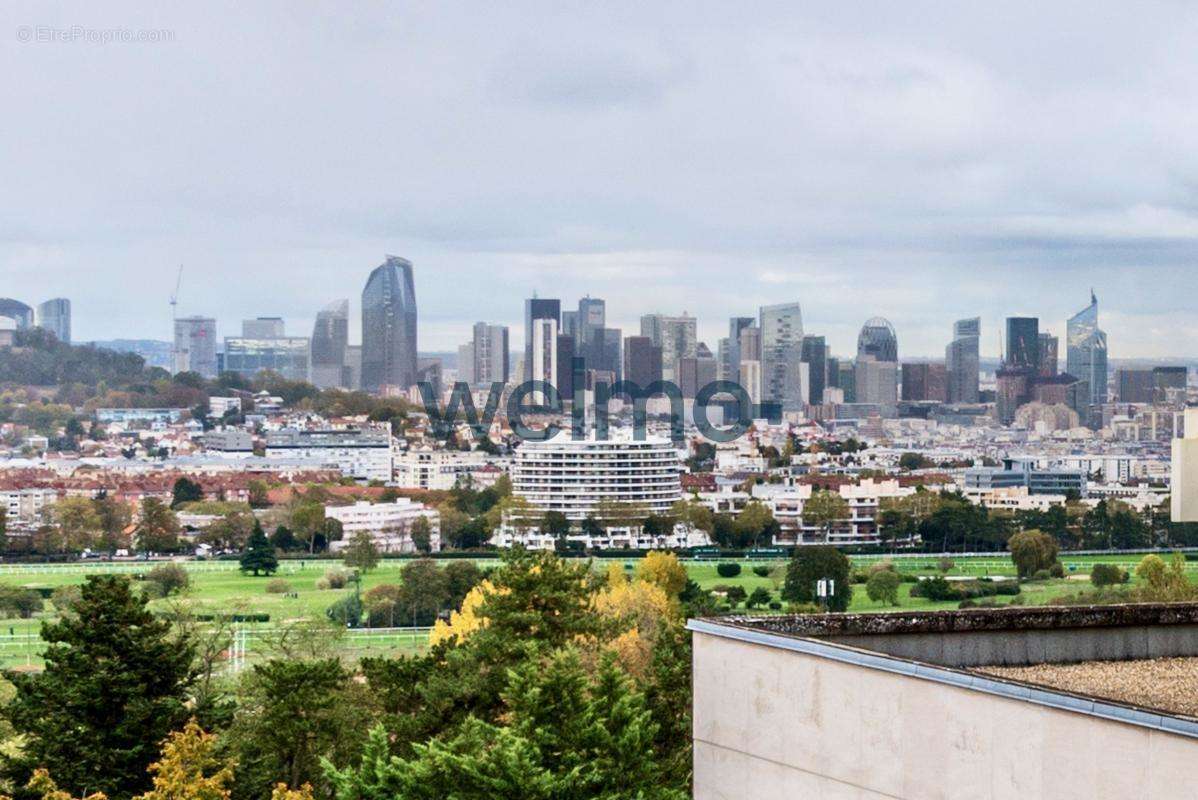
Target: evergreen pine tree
{"points": [[259, 555]]}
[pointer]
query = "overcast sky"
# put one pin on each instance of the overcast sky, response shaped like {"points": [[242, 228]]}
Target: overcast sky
{"points": [[922, 162]]}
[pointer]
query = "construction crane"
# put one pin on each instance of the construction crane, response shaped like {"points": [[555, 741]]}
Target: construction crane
{"points": [[174, 317]]}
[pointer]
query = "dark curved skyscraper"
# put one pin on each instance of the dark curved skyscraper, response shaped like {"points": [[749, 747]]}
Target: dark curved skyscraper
{"points": [[18, 311], [877, 339], [389, 326]]}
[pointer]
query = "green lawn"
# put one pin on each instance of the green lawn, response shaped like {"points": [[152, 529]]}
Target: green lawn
{"points": [[218, 589]]}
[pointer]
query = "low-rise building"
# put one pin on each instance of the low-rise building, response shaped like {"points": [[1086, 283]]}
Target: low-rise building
{"points": [[360, 453], [389, 524], [425, 468], [1019, 472]]}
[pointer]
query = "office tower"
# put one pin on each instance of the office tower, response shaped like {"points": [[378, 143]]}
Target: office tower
{"points": [[389, 326], [782, 355], [564, 366], [353, 366], [1049, 346], [876, 381], [723, 357], [55, 316], [847, 381], [815, 355], [289, 356], [750, 379], [490, 353], [676, 336], [642, 361], [428, 370], [592, 316], [923, 383], [736, 325], [1169, 381], [330, 337], [538, 308], [570, 324], [1086, 351], [17, 311], [877, 339], [695, 373], [963, 361], [195, 346], [750, 344], [1014, 386], [466, 364], [543, 360], [1023, 343], [263, 328], [1135, 385]]}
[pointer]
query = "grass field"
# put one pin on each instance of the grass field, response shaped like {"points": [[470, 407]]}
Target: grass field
{"points": [[218, 588]]}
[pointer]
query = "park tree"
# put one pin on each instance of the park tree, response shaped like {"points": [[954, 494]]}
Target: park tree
{"points": [[3, 528], [77, 522], [115, 683], [424, 591], [307, 520], [259, 494], [114, 519], [190, 768], [557, 525], [753, 522], [259, 554], [229, 532], [1032, 551], [422, 535], [823, 509], [882, 586], [157, 528], [186, 491], [664, 570], [460, 578], [808, 566], [362, 553], [292, 713]]}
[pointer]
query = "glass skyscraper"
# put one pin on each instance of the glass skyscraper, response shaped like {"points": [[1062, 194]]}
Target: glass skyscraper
{"points": [[1023, 343], [877, 339], [963, 361], [330, 336], [782, 356], [536, 308], [389, 326], [1085, 356], [55, 316]]}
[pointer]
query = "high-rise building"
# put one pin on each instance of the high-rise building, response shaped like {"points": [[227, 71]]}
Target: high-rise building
{"points": [[263, 328], [876, 381], [750, 344], [592, 316], [782, 356], [925, 383], [642, 361], [736, 325], [564, 366], [55, 316], [750, 379], [17, 311], [1049, 347], [570, 324], [847, 382], [1086, 351], [490, 353], [543, 360], [697, 372], [676, 336], [1136, 385], [1169, 381], [466, 363], [1023, 343], [815, 355], [963, 361], [877, 339], [195, 346], [289, 356], [538, 308], [389, 326], [330, 337]]}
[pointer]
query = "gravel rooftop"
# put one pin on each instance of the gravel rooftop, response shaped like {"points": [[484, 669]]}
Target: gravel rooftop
{"points": [[1164, 684]]}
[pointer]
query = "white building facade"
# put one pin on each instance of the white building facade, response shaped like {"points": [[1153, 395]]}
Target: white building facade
{"points": [[389, 524]]}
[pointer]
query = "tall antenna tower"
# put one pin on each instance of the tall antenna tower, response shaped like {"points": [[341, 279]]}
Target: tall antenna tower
{"points": [[174, 317]]}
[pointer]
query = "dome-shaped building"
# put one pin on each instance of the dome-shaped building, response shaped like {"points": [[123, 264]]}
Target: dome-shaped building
{"points": [[16, 311], [877, 339]]}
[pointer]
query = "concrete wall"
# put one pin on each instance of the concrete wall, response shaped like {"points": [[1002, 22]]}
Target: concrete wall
{"points": [[771, 724], [1021, 648]]}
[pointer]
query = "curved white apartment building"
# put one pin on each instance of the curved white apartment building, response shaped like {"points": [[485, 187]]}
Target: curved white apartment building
{"points": [[574, 476]]}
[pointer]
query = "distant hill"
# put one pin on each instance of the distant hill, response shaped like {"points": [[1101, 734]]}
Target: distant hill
{"points": [[156, 353]]}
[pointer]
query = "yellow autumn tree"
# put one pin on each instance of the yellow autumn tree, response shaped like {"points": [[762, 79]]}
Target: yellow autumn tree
{"points": [[664, 570], [189, 768], [465, 621], [640, 610], [44, 786], [283, 792]]}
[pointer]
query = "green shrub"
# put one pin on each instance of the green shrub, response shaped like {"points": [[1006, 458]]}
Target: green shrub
{"points": [[1057, 570], [1008, 588], [346, 611], [277, 586], [167, 579], [1041, 575], [775, 606], [1107, 575], [18, 602], [322, 584], [336, 578], [727, 569], [761, 572], [936, 588]]}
